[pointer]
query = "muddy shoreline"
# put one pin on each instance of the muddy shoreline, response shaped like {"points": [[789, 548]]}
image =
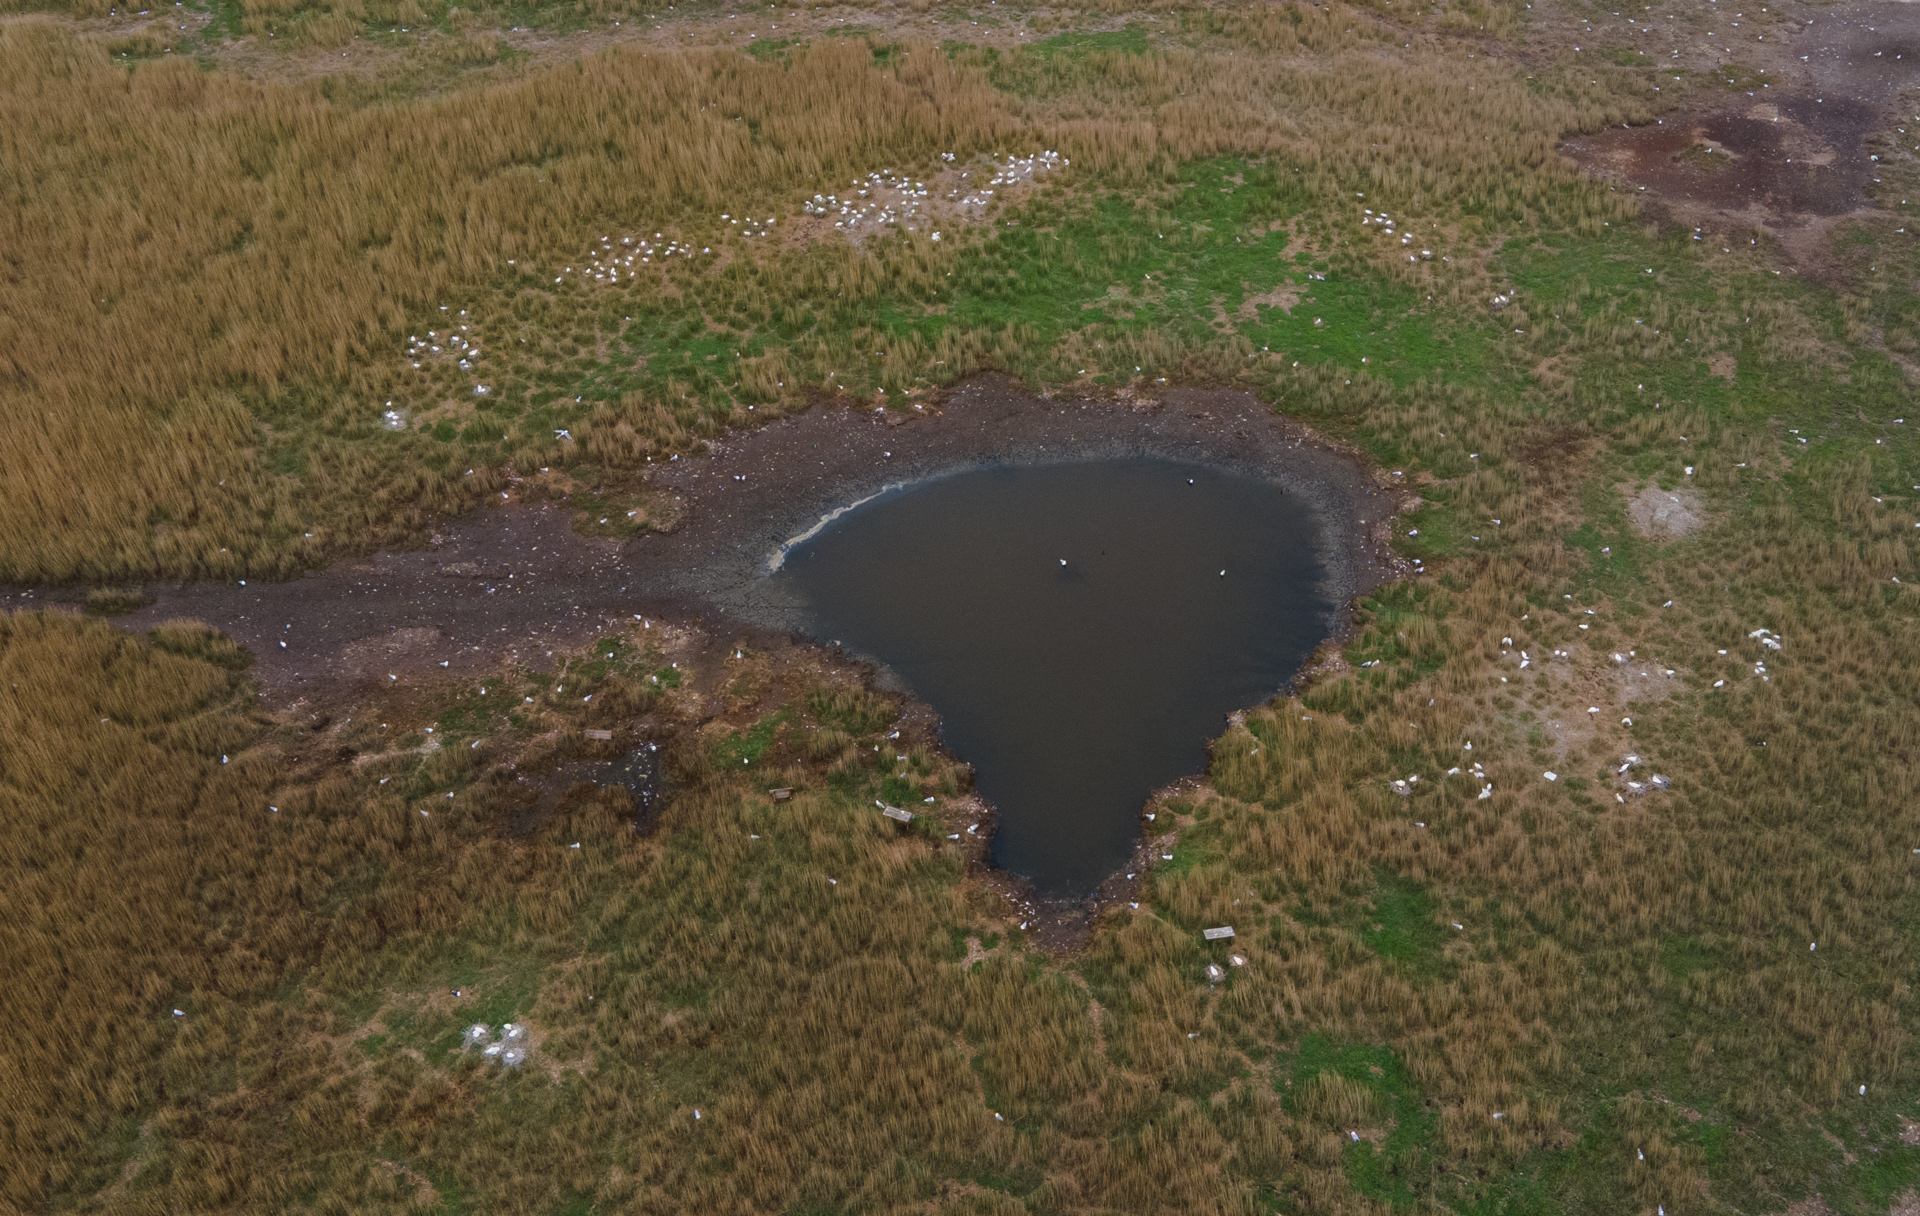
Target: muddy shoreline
{"points": [[516, 585]]}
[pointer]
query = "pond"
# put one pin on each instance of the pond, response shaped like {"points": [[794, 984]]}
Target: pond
{"points": [[1082, 630]]}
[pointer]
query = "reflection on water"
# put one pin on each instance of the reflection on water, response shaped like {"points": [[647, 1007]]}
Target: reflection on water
{"points": [[1082, 630]]}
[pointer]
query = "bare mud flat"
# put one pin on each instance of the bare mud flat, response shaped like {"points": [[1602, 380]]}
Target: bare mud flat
{"points": [[1777, 161], [515, 584], [1788, 154]]}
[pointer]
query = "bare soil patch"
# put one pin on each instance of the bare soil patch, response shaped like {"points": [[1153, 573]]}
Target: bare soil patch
{"points": [[1666, 514], [1787, 156], [1777, 163], [1283, 298]]}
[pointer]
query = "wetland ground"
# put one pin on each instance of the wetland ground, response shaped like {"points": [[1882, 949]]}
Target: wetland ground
{"points": [[511, 584], [405, 294]]}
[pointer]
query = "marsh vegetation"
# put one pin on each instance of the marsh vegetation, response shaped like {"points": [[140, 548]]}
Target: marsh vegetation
{"points": [[244, 945]]}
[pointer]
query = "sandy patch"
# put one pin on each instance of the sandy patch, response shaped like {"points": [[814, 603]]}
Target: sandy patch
{"points": [[976, 953], [373, 656], [1665, 514], [1583, 696], [1551, 373], [1640, 680]]}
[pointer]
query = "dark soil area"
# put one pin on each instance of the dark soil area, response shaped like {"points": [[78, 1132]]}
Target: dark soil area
{"points": [[1773, 162], [1786, 152]]}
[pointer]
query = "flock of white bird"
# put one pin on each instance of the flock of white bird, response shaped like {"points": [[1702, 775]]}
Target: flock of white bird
{"points": [[1404, 786], [879, 199], [873, 201], [1628, 787], [509, 1050], [452, 342], [1383, 223], [455, 340], [606, 260], [885, 198]]}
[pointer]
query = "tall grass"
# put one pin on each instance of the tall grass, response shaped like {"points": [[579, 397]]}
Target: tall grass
{"points": [[214, 278], [220, 240]]}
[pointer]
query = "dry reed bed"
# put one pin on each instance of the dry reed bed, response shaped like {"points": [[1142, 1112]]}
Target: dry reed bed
{"points": [[203, 266]]}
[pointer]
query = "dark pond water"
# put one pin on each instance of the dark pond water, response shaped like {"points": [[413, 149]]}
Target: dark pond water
{"points": [[1074, 690]]}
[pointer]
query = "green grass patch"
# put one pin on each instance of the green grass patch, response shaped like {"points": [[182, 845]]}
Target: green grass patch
{"points": [[1198, 843], [1393, 1160], [745, 749], [1129, 41], [1402, 628], [772, 48], [899, 791], [1402, 928], [1615, 552]]}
